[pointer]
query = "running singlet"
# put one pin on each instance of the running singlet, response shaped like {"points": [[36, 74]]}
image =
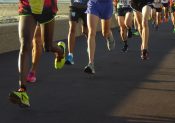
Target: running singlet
{"points": [[124, 3], [37, 6], [79, 3]]}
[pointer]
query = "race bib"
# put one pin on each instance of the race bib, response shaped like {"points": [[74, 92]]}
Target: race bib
{"points": [[36, 6]]}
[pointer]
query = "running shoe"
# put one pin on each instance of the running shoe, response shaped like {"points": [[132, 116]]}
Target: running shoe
{"points": [[60, 63], [89, 69], [129, 33], [174, 30], [125, 48], [110, 43], [136, 33], [144, 54], [19, 97], [31, 77], [69, 60]]}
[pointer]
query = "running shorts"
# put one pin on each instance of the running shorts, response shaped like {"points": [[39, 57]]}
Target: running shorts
{"points": [[100, 8], [78, 13], [123, 10], [137, 5], [44, 15]]}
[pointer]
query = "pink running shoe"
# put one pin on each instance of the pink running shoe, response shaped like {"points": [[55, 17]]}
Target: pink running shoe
{"points": [[31, 77]]}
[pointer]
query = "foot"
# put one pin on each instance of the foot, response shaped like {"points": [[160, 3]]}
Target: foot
{"points": [[69, 60], [59, 63], [144, 54], [110, 43], [125, 48], [89, 69], [31, 77], [20, 98], [129, 33]]}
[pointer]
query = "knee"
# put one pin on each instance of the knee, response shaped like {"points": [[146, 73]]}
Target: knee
{"points": [[72, 30], [122, 30], [92, 34], [25, 46], [144, 23]]}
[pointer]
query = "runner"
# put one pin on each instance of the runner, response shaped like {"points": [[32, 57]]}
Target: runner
{"points": [[37, 46], [172, 5], [98, 9], [77, 11], [124, 17], [165, 4], [156, 13], [142, 11], [33, 12]]}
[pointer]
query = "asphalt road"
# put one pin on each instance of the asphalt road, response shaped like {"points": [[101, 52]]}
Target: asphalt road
{"points": [[124, 89]]}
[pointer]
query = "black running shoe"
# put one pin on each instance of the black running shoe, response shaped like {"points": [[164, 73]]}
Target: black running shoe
{"points": [[125, 48], [144, 54], [89, 69]]}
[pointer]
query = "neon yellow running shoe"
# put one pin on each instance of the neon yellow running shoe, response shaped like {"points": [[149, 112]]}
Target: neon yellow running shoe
{"points": [[60, 64], [19, 97]]}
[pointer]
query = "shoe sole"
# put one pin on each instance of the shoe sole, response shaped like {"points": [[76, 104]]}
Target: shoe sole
{"points": [[16, 100]]}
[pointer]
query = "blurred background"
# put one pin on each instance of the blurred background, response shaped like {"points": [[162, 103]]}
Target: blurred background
{"points": [[9, 10]]}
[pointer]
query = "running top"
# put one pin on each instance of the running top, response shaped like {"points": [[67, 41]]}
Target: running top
{"points": [[37, 6], [79, 3]]}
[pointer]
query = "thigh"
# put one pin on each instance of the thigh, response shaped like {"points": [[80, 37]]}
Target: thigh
{"points": [[106, 25], [47, 31], [121, 20], [146, 12], [138, 17], [26, 30], [92, 21]]}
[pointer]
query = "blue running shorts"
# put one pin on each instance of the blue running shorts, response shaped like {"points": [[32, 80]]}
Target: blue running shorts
{"points": [[101, 8]]}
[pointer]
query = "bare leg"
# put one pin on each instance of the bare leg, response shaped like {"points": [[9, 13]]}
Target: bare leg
{"points": [[92, 22], [27, 26], [71, 36], [37, 49]]}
